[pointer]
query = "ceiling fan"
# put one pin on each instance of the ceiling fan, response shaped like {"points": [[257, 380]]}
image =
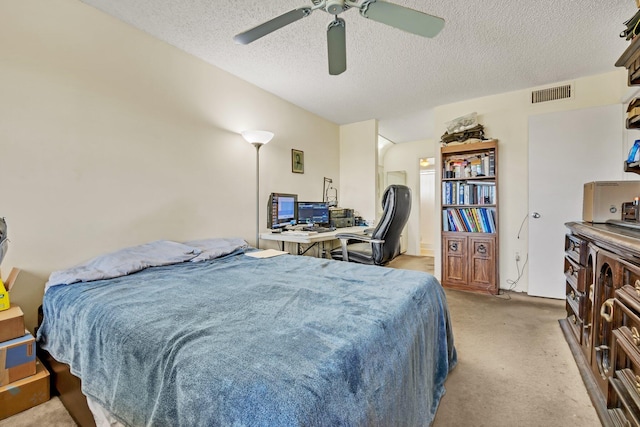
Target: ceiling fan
{"points": [[403, 18]]}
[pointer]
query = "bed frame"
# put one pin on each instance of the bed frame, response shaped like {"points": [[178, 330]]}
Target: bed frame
{"points": [[68, 388]]}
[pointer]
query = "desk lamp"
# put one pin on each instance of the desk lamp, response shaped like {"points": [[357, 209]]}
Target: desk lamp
{"points": [[257, 138]]}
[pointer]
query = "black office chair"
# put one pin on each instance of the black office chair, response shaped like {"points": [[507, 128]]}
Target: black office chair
{"points": [[383, 243]]}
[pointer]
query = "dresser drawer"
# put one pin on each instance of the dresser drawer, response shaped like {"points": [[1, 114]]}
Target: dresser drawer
{"points": [[576, 300], [575, 248], [625, 399], [575, 273], [574, 321], [627, 334], [631, 277]]}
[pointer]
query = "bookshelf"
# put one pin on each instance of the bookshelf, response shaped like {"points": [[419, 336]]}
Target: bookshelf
{"points": [[469, 210], [630, 59]]}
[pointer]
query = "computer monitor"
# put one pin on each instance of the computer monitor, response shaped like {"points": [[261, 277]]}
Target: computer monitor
{"points": [[313, 213], [281, 210]]}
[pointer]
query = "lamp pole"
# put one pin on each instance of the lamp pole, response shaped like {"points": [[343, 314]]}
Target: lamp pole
{"points": [[257, 138], [257, 145]]}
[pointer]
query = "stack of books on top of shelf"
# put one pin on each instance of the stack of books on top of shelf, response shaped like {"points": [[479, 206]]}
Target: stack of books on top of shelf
{"points": [[471, 220]]}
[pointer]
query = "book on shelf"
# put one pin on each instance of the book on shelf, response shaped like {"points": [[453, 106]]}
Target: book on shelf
{"points": [[468, 165], [468, 193], [471, 220]]}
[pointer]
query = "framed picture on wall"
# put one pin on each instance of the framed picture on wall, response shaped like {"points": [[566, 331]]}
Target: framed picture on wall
{"points": [[297, 161]]}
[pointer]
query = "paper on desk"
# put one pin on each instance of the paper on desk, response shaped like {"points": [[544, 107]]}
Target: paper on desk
{"points": [[267, 253]]}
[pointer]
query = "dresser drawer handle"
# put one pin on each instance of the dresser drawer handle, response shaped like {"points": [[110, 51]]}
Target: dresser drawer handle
{"points": [[607, 316], [572, 294], [453, 247], [635, 336], [637, 286], [591, 293], [570, 270], [638, 383]]}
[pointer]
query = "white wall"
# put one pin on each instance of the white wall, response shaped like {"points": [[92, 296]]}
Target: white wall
{"points": [[505, 117], [406, 156], [429, 221], [109, 138], [358, 167]]}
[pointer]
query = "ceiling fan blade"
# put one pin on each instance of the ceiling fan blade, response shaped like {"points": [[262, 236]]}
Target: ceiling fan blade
{"points": [[337, 47], [403, 18], [270, 26]]}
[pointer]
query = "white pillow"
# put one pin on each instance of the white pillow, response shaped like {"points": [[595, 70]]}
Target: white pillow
{"points": [[215, 248], [125, 261]]}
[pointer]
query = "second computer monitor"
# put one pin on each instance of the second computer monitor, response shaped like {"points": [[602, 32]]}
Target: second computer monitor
{"points": [[313, 213]]}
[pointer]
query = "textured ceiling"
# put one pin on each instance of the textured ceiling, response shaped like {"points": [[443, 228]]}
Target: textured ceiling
{"points": [[486, 47]]}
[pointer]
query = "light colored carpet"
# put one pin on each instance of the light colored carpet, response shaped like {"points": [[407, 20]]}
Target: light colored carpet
{"points": [[49, 414], [514, 368]]}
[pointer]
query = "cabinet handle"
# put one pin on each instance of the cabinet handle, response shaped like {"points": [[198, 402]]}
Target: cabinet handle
{"points": [[572, 294], [570, 270], [591, 293], [453, 247], [482, 249], [638, 383], [607, 316], [635, 336], [637, 286]]}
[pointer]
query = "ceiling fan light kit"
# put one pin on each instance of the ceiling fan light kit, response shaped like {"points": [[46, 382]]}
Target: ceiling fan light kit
{"points": [[403, 18]]}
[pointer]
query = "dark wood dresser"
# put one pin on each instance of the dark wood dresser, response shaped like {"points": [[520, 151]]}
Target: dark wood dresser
{"points": [[602, 327]]}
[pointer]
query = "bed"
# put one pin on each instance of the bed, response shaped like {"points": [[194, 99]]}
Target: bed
{"points": [[204, 333]]}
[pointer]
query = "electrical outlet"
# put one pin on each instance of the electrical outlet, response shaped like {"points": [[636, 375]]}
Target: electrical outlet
{"points": [[517, 256]]}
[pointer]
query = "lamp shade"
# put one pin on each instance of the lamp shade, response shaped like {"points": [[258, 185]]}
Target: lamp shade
{"points": [[257, 136]]}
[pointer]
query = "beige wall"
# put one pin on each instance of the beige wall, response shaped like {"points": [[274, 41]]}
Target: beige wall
{"points": [[109, 137], [358, 170], [505, 117]]}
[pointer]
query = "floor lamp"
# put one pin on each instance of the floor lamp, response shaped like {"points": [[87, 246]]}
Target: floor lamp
{"points": [[257, 138]]}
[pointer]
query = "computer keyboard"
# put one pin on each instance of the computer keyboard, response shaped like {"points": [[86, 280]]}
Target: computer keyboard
{"points": [[319, 229]]}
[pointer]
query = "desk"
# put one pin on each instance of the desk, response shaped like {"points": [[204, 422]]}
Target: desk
{"points": [[310, 239]]}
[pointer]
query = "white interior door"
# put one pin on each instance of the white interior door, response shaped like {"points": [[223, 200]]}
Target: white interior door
{"points": [[566, 150]]}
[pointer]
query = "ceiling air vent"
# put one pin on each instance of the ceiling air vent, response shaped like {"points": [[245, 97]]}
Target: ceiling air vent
{"points": [[551, 94]]}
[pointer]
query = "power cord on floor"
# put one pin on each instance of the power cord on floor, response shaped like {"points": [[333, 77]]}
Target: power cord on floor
{"points": [[512, 283]]}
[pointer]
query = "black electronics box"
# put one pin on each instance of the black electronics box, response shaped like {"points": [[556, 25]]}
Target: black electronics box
{"points": [[341, 217]]}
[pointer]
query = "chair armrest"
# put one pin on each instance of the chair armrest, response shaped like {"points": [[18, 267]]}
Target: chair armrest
{"points": [[345, 237], [360, 237]]}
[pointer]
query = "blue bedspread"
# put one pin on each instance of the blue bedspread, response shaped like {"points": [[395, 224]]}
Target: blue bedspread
{"points": [[241, 341]]}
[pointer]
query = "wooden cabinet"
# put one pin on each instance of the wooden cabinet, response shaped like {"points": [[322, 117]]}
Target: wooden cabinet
{"points": [[602, 327], [470, 216]]}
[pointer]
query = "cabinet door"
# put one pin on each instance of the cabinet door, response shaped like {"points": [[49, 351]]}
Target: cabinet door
{"points": [[482, 257], [455, 259], [608, 280], [589, 301]]}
